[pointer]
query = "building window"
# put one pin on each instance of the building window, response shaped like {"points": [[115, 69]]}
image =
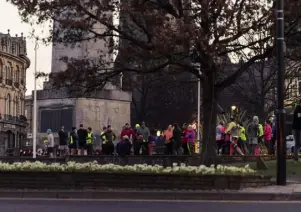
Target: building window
{"points": [[21, 107], [9, 73], [9, 46], [22, 76], [9, 76], [13, 48], [7, 105], [1, 71], [3, 43], [17, 49], [17, 78], [16, 112]]}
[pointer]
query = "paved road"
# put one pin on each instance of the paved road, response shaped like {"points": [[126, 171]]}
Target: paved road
{"points": [[139, 206]]}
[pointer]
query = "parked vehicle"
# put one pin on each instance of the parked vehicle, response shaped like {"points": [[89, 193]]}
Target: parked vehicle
{"points": [[290, 144]]}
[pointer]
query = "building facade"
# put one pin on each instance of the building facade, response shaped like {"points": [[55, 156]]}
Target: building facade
{"points": [[13, 66]]}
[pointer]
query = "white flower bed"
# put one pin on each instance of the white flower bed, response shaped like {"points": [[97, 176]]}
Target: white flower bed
{"points": [[139, 168]]}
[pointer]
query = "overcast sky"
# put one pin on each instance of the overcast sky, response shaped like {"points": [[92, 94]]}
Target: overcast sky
{"points": [[10, 19]]}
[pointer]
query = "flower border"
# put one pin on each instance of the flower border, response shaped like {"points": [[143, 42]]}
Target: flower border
{"points": [[94, 167]]}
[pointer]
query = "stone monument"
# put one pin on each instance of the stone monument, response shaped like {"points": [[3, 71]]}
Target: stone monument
{"points": [[60, 107]]}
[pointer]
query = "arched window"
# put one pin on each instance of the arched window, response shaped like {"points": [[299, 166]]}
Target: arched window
{"points": [[7, 105], [7, 72], [16, 108], [21, 106], [1, 71], [11, 71], [9, 76]]}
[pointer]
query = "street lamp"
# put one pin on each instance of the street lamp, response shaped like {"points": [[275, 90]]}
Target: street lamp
{"points": [[34, 133], [121, 80], [233, 107], [194, 56], [199, 112], [280, 48]]}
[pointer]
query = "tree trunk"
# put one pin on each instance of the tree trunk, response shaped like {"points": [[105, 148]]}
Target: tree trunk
{"points": [[208, 153], [262, 115]]}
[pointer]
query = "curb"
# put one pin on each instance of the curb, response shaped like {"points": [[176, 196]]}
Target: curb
{"points": [[151, 195]]}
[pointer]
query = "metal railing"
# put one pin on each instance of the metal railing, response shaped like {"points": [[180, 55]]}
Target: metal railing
{"points": [[18, 119]]}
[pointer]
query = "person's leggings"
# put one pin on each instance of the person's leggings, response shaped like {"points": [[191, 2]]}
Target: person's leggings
{"points": [[269, 145], [252, 148], [191, 148], [168, 149], [220, 146]]}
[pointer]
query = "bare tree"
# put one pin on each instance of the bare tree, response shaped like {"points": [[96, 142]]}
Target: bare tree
{"points": [[255, 90], [163, 32]]}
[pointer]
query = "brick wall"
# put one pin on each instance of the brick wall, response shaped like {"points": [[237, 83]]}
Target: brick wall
{"points": [[98, 181]]}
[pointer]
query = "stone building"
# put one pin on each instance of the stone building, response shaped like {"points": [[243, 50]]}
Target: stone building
{"points": [[29, 116], [56, 108], [13, 65]]}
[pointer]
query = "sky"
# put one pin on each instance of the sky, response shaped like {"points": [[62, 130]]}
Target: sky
{"points": [[14, 23]]}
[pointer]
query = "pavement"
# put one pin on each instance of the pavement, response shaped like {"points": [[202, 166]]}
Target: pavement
{"points": [[290, 192], [37, 205]]}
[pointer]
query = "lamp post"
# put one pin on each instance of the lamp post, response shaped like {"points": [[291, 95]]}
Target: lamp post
{"points": [[121, 80], [233, 110], [199, 113], [194, 56], [34, 133], [280, 48]]}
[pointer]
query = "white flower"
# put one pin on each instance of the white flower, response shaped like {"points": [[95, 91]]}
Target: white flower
{"points": [[72, 166]]}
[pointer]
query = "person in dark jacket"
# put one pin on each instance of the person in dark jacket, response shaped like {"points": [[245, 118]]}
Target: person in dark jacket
{"points": [[73, 141], [297, 130], [123, 148], [177, 139], [63, 141], [143, 134], [82, 136], [108, 138]]}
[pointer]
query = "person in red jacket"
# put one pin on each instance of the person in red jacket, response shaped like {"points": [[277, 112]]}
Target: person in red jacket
{"points": [[268, 137], [128, 132]]}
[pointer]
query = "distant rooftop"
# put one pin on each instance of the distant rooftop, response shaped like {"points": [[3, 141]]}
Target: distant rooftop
{"points": [[15, 45]]}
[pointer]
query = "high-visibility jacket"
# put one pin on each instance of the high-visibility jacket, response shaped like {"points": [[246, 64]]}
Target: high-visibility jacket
{"points": [[71, 139], [242, 134], [103, 137], [261, 133], [89, 138]]}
